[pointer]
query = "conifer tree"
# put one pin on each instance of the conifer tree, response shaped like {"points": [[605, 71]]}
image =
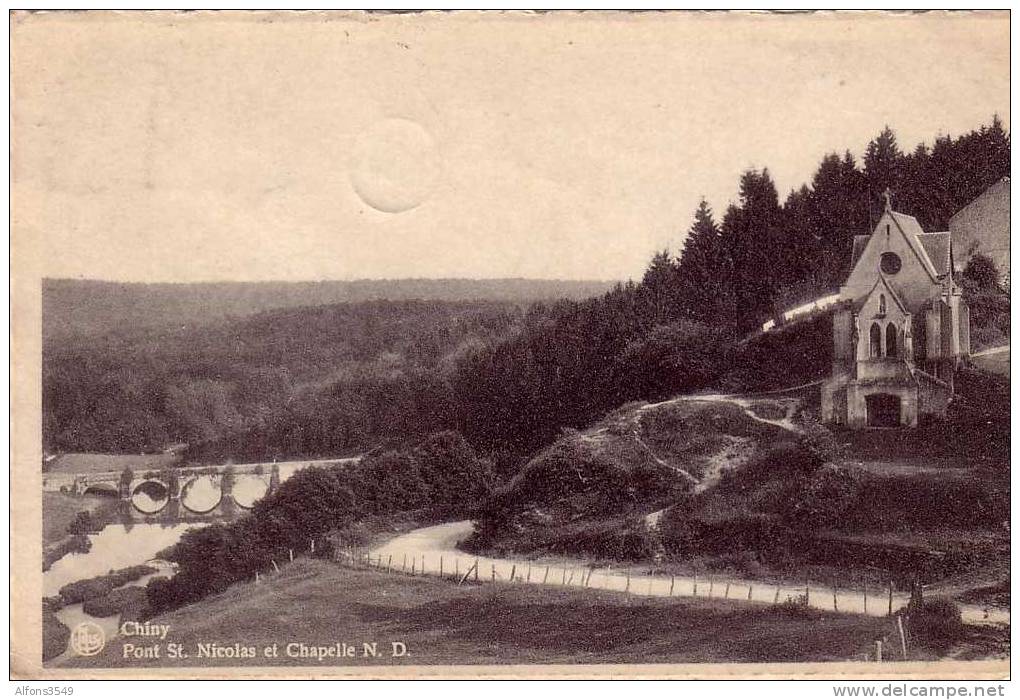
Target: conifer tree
{"points": [[700, 270]]}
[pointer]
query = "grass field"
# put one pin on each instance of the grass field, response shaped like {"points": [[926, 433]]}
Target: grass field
{"points": [[318, 603], [59, 511]]}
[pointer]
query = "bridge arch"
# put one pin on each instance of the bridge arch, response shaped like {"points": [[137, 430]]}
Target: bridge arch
{"points": [[104, 489], [202, 493], [249, 489], [150, 496]]}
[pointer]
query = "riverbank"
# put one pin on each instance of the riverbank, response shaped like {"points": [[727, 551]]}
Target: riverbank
{"points": [[317, 603], [59, 512]]}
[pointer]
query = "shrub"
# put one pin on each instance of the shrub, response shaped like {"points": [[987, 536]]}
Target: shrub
{"points": [[159, 594], [830, 494], [671, 359], [55, 636], [129, 602], [99, 586], [818, 440], [796, 607], [935, 623]]}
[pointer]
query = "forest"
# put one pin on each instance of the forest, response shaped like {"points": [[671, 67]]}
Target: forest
{"points": [[336, 379]]}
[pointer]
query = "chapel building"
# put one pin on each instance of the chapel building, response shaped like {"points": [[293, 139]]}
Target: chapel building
{"points": [[900, 329]]}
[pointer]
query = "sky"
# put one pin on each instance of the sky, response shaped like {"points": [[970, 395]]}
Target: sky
{"points": [[221, 146]]}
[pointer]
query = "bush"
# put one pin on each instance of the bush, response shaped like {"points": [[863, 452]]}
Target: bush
{"points": [[55, 636], [935, 623], [829, 496], [819, 441], [129, 602], [443, 473], [159, 594], [671, 359], [99, 586]]}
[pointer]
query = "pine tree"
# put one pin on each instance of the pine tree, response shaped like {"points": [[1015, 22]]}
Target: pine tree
{"points": [[751, 239], [659, 292], [882, 168], [700, 269]]}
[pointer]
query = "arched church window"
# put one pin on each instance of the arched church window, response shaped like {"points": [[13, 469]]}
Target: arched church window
{"points": [[890, 340], [876, 340], [881, 304]]}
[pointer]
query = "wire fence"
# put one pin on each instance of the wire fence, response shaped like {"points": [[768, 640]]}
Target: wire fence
{"points": [[873, 600]]}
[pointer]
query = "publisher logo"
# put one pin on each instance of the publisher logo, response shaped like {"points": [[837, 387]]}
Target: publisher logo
{"points": [[88, 639]]}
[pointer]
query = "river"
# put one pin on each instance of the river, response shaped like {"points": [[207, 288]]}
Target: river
{"points": [[119, 546]]}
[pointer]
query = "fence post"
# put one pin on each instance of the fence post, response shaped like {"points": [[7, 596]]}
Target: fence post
{"points": [[878, 650], [546, 577], [403, 564], [649, 585], [312, 545], [627, 589], [275, 567], [465, 577], [750, 590], [456, 567], [890, 597], [835, 603], [494, 571], [776, 601], [903, 636], [528, 578], [256, 578], [695, 583], [389, 560], [291, 553], [726, 593], [414, 563], [711, 584], [807, 594], [513, 573], [865, 595], [440, 566], [672, 583], [422, 564], [563, 580]]}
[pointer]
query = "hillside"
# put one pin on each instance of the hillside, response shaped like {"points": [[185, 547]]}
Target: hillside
{"points": [[440, 622], [753, 486], [86, 307], [308, 381], [590, 492]]}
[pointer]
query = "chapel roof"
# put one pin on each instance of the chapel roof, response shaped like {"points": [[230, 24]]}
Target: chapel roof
{"points": [[936, 245], [932, 249]]}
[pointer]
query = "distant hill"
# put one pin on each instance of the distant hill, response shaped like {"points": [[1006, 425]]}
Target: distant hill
{"points": [[75, 307]]}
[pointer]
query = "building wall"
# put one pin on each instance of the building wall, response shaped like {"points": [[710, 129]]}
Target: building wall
{"points": [[857, 401], [983, 226]]}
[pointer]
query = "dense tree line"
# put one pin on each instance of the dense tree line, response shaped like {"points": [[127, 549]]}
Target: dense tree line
{"points": [[323, 381], [304, 381], [766, 255], [440, 477]]}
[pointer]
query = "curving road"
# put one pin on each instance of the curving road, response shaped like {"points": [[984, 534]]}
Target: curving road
{"points": [[429, 548]]}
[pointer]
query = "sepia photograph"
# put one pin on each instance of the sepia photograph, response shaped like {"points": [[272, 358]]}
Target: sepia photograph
{"points": [[510, 344]]}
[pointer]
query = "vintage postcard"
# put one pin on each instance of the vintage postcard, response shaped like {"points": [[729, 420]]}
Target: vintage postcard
{"points": [[473, 344]]}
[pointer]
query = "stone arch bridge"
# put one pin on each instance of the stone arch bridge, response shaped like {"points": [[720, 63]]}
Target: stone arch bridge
{"points": [[217, 492]]}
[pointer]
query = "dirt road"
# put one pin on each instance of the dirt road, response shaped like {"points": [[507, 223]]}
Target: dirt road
{"points": [[431, 548]]}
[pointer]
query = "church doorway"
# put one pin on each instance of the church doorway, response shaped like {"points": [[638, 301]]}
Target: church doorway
{"points": [[883, 410]]}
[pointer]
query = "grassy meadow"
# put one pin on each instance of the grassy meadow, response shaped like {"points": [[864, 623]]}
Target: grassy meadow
{"points": [[318, 603]]}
